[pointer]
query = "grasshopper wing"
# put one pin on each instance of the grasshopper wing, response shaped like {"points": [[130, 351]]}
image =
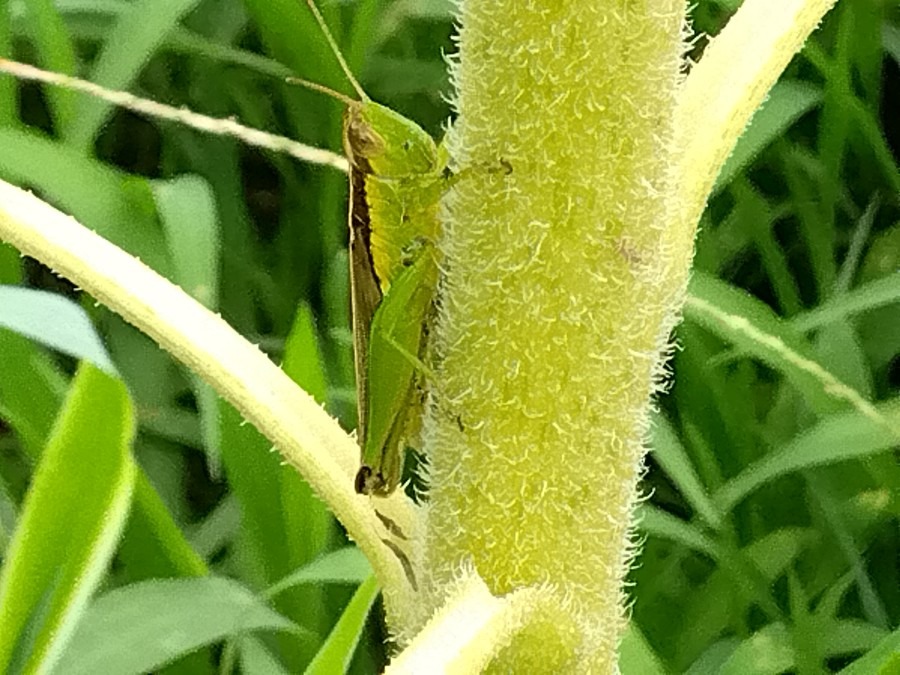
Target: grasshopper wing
{"points": [[393, 368]]}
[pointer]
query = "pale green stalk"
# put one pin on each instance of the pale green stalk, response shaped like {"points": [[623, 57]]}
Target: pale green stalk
{"points": [[564, 279], [306, 436]]}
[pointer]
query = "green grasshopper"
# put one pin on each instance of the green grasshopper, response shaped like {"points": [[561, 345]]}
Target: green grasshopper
{"points": [[397, 177]]}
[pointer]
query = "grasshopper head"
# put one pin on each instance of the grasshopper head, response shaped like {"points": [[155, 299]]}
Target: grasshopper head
{"points": [[385, 143]]}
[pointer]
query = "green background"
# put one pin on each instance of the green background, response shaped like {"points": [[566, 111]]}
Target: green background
{"points": [[771, 539]]}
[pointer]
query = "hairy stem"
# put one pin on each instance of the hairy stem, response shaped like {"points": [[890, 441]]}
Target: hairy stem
{"points": [[558, 299]]}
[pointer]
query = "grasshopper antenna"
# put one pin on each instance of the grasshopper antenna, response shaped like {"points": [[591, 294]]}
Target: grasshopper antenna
{"points": [[337, 52], [322, 89]]}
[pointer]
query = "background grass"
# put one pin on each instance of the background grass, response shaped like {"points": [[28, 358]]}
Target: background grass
{"points": [[771, 539]]}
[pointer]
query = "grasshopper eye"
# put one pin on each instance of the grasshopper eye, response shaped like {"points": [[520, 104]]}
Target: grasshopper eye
{"points": [[360, 139]]}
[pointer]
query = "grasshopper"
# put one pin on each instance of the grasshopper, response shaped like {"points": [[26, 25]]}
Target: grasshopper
{"points": [[397, 177]]}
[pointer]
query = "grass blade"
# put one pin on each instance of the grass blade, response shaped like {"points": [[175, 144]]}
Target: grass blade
{"points": [[837, 438], [73, 515], [8, 100], [345, 566], [187, 211], [56, 52], [884, 291], [337, 652], [141, 627], [636, 656], [755, 329], [31, 390], [54, 321], [883, 658], [137, 34], [668, 451], [113, 204]]}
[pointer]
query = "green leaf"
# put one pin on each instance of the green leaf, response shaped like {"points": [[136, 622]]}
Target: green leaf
{"points": [[106, 200], [713, 657], [308, 522], [742, 578], [671, 456], [302, 356], [884, 291], [284, 523], [255, 474], [890, 35], [753, 213], [788, 101], [31, 390], [714, 406], [8, 98], [841, 527], [54, 321], [345, 566], [142, 627], [883, 658], [840, 347], [729, 5], [337, 652], [848, 636], [404, 77], [218, 528], [429, 10], [8, 517], [291, 34], [154, 545], [256, 659], [131, 43], [771, 650], [187, 211], [253, 469], [11, 271], [56, 52], [636, 656], [655, 522], [837, 438], [184, 41], [98, 16], [767, 652], [736, 316], [73, 514]]}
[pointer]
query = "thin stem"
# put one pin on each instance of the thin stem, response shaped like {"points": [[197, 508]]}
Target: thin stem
{"points": [[211, 125]]}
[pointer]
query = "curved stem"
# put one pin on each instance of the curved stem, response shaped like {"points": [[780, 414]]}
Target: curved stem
{"points": [[307, 437], [725, 88]]}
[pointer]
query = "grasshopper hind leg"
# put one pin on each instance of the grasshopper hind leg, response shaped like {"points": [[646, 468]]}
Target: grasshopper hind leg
{"points": [[382, 477], [366, 480], [378, 481]]}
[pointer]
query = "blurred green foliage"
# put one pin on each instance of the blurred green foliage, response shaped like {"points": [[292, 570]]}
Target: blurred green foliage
{"points": [[771, 539]]}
